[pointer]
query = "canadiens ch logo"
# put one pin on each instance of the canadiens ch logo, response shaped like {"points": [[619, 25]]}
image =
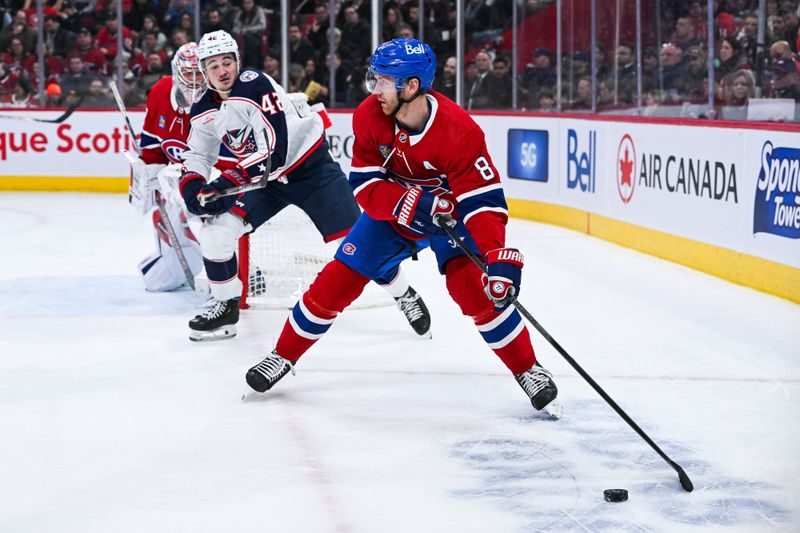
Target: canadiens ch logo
{"points": [[385, 149], [248, 75], [349, 248]]}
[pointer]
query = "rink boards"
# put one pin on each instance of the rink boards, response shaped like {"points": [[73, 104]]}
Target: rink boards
{"points": [[724, 199]]}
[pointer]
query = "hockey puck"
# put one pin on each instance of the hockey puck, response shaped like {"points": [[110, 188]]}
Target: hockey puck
{"points": [[615, 495]]}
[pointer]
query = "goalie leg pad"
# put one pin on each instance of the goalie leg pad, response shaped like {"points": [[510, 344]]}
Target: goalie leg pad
{"points": [[334, 288], [505, 332]]}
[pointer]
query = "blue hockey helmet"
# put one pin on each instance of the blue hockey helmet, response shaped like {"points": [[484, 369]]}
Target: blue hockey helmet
{"points": [[403, 59]]}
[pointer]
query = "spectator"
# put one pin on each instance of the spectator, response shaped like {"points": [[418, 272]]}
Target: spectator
{"points": [[173, 14], [342, 82], [318, 32], [177, 39], [729, 57], [53, 95], [74, 82], [784, 80], [140, 10], [607, 95], [626, 72], [741, 88], [697, 83], [272, 66], [8, 84], [684, 35], [300, 48], [19, 28], [311, 69], [297, 79], [537, 75], [776, 29], [446, 83], [405, 32], [476, 16], [673, 74], [228, 12], [500, 85], [789, 13], [250, 24], [546, 101], [107, 37], [91, 56], [391, 23], [186, 23], [22, 95], [411, 11], [57, 39], [583, 100], [150, 25], [478, 90], [97, 95], [356, 36], [17, 59], [213, 21], [747, 37], [155, 70]]}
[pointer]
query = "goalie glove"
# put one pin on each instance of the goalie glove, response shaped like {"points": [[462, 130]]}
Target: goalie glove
{"points": [[503, 276], [196, 192], [143, 183], [418, 210]]}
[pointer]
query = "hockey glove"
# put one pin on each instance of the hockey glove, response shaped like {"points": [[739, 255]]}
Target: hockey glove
{"points": [[417, 211], [503, 276], [194, 191]]}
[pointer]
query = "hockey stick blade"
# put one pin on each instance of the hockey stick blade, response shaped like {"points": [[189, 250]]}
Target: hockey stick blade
{"points": [[64, 116], [448, 225]]}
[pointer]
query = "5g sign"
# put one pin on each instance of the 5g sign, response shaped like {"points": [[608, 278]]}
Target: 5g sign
{"points": [[528, 154]]}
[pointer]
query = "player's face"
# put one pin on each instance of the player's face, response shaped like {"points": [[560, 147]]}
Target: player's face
{"points": [[221, 71], [384, 88]]}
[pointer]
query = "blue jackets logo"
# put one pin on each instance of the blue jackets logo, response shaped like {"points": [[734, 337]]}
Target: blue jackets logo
{"points": [[777, 203], [527, 154], [581, 165]]}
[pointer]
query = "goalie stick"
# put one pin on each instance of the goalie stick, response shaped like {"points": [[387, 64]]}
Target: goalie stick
{"points": [[173, 237], [64, 116], [448, 225]]}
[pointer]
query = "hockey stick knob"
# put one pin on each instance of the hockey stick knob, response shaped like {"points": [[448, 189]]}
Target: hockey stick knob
{"points": [[445, 220]]}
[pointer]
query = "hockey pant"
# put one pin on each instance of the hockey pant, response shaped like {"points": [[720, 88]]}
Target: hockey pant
{"points": [[337, 285], [162, 270]]}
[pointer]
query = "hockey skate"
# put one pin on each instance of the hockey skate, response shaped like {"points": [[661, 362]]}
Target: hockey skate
{"points": [[268, 372], [416, 312], [215, 323], [539, 386]]}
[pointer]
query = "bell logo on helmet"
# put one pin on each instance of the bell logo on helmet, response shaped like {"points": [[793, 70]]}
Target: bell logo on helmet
{"points": [[418, 49]]}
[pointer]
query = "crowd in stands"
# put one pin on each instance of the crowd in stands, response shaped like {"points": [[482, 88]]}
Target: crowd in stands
{"points": [[80, 38]]}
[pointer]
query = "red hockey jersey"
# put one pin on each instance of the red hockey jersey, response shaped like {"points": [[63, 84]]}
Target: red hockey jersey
{"points": [[166, 126], [448, 157]]}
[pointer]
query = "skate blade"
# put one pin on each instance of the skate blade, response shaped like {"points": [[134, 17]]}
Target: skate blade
{"points": [[250, 394], [226, 332], [554, 409]]}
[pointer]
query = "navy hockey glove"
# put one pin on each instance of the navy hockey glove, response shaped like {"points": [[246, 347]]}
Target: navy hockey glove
{"points": [[195, 192], [503, 276], [417, 211]]}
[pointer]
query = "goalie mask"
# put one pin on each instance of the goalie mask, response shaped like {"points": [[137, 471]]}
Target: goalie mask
{"points": [[186, 76]]}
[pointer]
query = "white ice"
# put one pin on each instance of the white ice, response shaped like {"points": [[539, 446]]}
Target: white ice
{"points": [[113, 421]]}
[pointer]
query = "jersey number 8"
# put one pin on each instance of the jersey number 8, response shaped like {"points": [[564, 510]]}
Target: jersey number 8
{"points": [[484, 168]]}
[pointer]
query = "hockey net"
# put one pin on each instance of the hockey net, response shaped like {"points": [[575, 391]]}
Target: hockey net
{"points": [[279, 260]]}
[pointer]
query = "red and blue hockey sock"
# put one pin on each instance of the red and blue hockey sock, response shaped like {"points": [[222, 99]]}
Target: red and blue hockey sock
{"points": [[504, 332], [334, 288]]}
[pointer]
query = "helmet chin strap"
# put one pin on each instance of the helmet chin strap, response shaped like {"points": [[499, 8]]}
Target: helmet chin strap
{"points": [[401, 101]]}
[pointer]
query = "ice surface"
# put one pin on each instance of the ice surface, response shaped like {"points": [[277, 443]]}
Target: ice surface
{"points": [[112, 420]]}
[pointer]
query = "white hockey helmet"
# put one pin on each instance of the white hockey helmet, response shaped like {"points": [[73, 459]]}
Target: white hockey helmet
{"points": [[216, 43], [186, 75]]}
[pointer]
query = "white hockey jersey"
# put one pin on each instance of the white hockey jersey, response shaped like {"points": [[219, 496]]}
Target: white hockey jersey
{"points": [[256, 125]]}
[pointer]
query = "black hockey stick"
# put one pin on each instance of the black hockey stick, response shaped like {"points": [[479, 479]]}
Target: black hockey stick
{"points": [[64, 116], [173, 237], [447, 224]]}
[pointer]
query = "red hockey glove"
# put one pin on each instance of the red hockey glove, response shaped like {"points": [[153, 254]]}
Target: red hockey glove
{"points": [[417, 211], [503, 276]]}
